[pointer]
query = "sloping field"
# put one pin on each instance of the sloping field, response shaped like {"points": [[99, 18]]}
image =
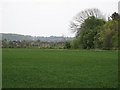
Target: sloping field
{"points": [[36, 68]]}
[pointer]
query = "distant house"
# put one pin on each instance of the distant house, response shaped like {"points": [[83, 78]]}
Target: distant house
{"points": [[1, 44], [51, 44], [25, 43]]}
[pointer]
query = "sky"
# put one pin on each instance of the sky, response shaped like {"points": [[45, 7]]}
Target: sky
{"points": [[46, 17]]}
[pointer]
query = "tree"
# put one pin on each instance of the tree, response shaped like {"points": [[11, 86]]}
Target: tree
{"points": [[11, 44], [114, 41], [108, 36], [38, 41], [4, 43], [67, 45], [115, 16], [89, 30], [92, 31], [75, 25], [25, 43], [75, 44]]}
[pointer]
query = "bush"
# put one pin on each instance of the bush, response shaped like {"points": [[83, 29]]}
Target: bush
{"points": [[67, 45]]}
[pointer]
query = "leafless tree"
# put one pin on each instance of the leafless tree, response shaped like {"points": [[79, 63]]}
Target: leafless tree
{"points": [[81, 16]]}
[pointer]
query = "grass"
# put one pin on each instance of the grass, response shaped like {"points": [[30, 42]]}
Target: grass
{"points": [[37, 68]]}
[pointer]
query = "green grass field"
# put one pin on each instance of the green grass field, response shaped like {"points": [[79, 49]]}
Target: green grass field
{"points": [[36, 68]]}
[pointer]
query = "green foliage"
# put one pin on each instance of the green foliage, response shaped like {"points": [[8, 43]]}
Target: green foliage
{"points": [[108, 36], [51, 47], [87, 38], [67, 45], [97, 33], [75, 44], [92, 23], [38, 40], [37, 68], [114, 41], [89, 30]]}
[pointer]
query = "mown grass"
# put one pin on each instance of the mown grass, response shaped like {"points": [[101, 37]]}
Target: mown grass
{"points": [[36, 68]]}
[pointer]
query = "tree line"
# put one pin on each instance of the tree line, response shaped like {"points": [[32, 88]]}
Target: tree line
{"points": [[93, 31]]}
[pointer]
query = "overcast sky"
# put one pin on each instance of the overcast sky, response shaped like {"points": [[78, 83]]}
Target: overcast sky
{"points": [[46, 17]]}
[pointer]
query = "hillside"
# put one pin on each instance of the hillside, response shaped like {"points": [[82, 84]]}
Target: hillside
{"points": [[13, 37]]}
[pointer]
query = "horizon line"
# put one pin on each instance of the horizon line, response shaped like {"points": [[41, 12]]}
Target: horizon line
{"points": [[36, 35]]}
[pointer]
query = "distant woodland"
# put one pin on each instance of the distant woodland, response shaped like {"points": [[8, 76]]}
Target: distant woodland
{"points": [[17, 37]]}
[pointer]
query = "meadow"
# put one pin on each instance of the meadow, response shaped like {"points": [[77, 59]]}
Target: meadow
{"points": [[52, 68]]}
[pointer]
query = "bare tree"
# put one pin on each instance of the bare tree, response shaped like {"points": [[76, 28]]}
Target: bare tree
{"points": [[81, 16]]}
